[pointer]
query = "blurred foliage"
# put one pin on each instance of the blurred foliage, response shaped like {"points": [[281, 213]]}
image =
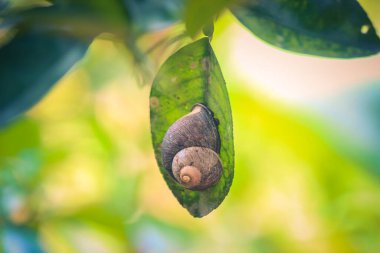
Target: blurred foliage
{"points": [[78, 174], [343, 30], [55, 55], [199, 13], [152, 15], [356, 116]]}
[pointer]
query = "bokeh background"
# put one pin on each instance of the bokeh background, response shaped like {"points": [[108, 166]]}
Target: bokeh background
{"points": [[77, 172]]}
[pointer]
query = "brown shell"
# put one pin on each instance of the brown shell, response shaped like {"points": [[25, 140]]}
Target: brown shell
{"points": [[197, 168], [196, 129]]}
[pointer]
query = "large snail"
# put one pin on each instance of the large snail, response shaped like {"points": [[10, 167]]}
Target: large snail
{"points": [[190, 149]]}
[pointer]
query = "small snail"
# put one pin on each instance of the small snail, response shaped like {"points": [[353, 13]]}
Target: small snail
{"points": [[190, 149]]}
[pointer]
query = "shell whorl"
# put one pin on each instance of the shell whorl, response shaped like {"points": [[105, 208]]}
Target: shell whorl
{"points": [[197, 168]]}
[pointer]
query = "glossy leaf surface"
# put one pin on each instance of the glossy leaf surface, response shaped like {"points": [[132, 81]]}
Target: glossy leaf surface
{"points": [[192, 75], [30, 64], [326, 28]]}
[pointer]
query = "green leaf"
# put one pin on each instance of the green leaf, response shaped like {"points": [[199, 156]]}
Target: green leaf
{"points": [[199, 13], [192, 75], [326, 28], [30, 64]]}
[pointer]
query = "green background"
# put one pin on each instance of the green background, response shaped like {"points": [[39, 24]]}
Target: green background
{"points": [[78, 173]]}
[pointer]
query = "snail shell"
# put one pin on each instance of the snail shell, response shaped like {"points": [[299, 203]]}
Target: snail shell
{"points": [[197, 168], [190, 150]]}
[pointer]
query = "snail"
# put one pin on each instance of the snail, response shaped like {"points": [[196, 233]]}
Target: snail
{"points": [[190, 149]]}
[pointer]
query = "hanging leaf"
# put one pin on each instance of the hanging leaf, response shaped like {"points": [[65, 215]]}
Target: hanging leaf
{"points": [[327, 28], [30, 64], [190, 76]]}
